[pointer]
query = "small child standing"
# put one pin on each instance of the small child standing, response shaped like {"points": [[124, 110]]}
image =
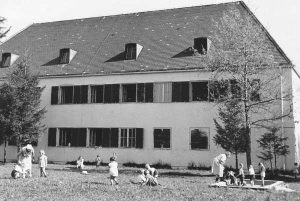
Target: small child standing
{"points": [[113, 171], [252, 175], [79, 163], [262, 172], [241, 174], [43, 162], [98, 161]]}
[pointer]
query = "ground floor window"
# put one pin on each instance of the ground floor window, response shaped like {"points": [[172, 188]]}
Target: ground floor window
{"points": [[72, 137], [199, 138], [162, 138]]}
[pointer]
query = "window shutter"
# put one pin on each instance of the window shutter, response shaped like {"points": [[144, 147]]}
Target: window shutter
{"points": [[54, 96], [84, 94], [105, 137], [139, 138], [52, 137], [114, 137]]}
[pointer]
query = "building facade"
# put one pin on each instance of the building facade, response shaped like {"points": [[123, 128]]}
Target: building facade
{"points": [[131, 84]]}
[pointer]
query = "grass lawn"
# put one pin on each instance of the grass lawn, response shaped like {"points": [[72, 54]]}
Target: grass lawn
{"points": [[66, 183]]}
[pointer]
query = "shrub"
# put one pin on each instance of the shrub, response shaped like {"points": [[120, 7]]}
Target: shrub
{"points": [[193, 166], [133, 164], [161, 165]]}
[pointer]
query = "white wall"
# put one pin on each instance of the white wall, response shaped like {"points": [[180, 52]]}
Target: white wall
{"points": [[180, 117]]}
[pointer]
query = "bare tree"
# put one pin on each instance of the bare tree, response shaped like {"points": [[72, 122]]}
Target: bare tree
{"points": [[247, 67]]}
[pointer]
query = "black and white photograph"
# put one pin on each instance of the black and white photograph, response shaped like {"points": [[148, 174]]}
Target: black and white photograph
{"points": [[149, 100]]}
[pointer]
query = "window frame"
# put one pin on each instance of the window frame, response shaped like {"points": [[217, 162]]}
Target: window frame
{"points": [[190, 139], [162, 148], [192, 94], [127, 138]]}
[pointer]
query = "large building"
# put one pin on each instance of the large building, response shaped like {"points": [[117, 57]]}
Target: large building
{"points": [[131, 84]]}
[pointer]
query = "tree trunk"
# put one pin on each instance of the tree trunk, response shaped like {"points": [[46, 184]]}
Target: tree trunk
{"points": [[4, 151], [275, 161], [236, 161], [248, 148]]}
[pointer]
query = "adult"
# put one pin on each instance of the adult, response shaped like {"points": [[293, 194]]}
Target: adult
{"points": [[25, 157], [217, 167]]}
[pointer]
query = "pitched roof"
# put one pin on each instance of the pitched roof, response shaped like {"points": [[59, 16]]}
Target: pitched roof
{"points": [[100, 41]]}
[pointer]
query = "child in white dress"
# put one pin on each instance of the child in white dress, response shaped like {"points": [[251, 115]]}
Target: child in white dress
{"points": [[113, 171], [43, 162], [79, 163], [252, 174]]}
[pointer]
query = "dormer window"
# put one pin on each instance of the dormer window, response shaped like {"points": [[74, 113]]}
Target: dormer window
{"points": [[132, 51], [8, 59], [201, 45], [66, 55]]}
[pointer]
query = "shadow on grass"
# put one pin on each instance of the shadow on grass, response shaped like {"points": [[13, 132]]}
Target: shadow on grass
{"points": [[184, 174]]}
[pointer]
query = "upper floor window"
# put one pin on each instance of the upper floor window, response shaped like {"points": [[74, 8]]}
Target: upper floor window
{"points": [[200, 91], [129, 92], [180, 91], [73, 94], [8, 59], [145, 92], [111, 93], [202, 45], [66, 55], [132, 51]]}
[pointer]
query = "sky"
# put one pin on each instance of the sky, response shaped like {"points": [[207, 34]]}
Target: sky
{"points": [[279, 17]]}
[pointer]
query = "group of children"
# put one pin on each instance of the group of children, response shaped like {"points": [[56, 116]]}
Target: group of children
{"points": [[25, 157], [231, 179]]}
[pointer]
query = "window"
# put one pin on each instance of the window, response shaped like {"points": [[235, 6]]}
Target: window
{"points": [[145, 92], [110, 137], [111, 93], [255, 87], [54, 95], [201, 45], [162, 137], [129, 92], [199, 138], [218, 89], [97, 94], [6, 59], [52, 137], [235, 89], [64, 56], [130, 51], [131, 137], [96, 137], [200, 91], [74, 94], [74, 137], [180, 92], [162, 92]]}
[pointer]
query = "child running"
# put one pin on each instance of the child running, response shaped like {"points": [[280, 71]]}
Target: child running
{"points": [[113, 171], [43, 162], [252, 175], [262, 172]]}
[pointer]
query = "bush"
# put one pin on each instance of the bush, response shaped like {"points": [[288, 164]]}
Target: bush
{"points": [[161, 165], [133, 164], [193, 166]]}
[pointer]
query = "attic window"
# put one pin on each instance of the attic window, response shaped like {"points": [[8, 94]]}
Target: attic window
{"points": [[8, 59], [132, 51], [66, 55], [202, 45]]}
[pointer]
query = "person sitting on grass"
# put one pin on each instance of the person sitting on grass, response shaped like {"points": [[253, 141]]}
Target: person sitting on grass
{"points": [[150, 180], [262, 172], [241, 175], [25, 158], [141, 178], [252, 175], [79, 163], [153, 172], [113, 171], [229, 178], [18, 171]]}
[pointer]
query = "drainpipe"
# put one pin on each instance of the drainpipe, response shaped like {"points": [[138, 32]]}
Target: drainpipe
{"points": [[282, 121]]}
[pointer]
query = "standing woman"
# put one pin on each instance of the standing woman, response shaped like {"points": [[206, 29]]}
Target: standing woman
{"points": [[217, 167]]}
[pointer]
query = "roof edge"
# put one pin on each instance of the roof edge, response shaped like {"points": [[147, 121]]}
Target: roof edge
{"points": [[267, 32]]}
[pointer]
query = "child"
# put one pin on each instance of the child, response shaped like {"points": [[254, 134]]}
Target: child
{"points": [[296, 170], [43, 162], [79, 163], [262, 172], [229, 178], [25, 157], [98, 161], [241, 174], [113, 171], [252, 175], [150, 180], [17, 171]]}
